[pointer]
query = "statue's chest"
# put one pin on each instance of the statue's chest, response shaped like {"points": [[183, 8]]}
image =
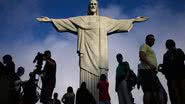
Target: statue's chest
{"points": [[95, 23]]}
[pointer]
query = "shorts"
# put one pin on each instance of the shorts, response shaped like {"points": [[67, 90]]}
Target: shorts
{"points": [[149, 80]]}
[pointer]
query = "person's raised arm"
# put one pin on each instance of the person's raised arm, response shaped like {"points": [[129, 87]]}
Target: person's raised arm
{"points": [[43, 19]]}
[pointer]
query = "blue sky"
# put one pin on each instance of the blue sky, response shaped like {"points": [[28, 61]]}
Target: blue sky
{"points": [[22, 36]]}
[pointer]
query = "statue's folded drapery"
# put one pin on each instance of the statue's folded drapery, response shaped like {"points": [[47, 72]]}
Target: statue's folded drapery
{"points": [[92, 38]]}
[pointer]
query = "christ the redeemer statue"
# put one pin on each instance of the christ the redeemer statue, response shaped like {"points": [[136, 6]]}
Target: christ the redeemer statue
{"points": [[92, 31]]}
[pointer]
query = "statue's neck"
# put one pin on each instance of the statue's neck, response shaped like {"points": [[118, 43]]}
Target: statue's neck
{"points": [[93, 14]]}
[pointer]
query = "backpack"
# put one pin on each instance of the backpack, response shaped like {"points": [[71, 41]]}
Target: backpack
{"points": [[132, 80]]}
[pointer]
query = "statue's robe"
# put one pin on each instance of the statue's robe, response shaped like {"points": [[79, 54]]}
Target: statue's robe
{"points": [[92, 34]]}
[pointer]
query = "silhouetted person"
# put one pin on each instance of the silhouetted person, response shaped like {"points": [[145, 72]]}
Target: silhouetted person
{"points": [[147, 73], [83, 96], [55, 99], [131, 82], [48, 78], [30, 95], [4, 86], [18, 85], [69, 97], [122, 73], [9, 65], [174, 70], [9, 69], [103, 86]]}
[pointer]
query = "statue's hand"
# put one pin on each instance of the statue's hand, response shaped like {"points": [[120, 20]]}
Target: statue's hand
{"points": [[141, 19], [43, 19]]}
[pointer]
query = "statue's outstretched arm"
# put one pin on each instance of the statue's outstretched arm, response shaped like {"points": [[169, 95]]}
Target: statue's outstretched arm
{"points": [[140, 19], [43, 19]]}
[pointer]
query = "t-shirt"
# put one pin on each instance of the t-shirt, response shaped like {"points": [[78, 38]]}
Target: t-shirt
{"points": [[150, 55], [122, 70], [103, 91]]}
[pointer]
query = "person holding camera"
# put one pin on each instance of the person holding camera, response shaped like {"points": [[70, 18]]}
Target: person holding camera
{"points": [[48, 78]]}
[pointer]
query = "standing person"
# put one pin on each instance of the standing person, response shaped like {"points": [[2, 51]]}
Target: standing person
{"points": [[9, 69], [92, 33], [83, 96], [103, 86], [48, 78], [4, 86], [30, 94], [55, 99], [174, 70], [69, 97], [122, 73], [18, 84], [147, 72]]}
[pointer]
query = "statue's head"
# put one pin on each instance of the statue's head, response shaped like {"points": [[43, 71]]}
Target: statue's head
{"points": [[93, 7]]}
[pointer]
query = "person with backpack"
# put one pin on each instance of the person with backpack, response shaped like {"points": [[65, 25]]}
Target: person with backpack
{"points": [[174, 70]]}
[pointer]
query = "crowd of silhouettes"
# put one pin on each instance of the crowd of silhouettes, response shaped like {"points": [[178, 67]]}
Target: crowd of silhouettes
{"points": [[13, 90]]}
